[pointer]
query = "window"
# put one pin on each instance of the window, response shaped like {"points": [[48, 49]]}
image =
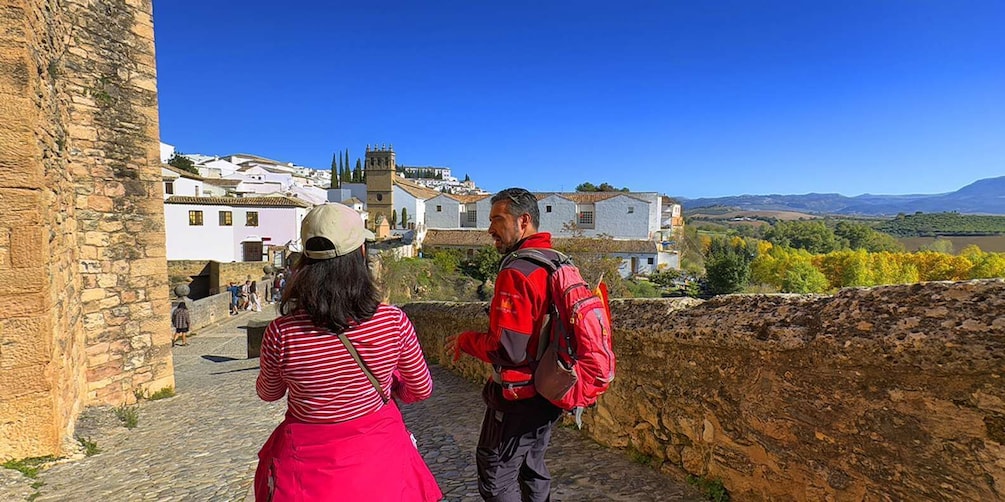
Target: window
{"points": [[631, 209], [472, 216], [195, 218], [439, 209], [547, 209], [251, 219], [226, 218], [169, 187], [650, 261], [585, 219]]}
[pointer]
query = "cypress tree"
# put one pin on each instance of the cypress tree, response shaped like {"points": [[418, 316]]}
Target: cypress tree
{"points": [[404, 217], [394, 218]]}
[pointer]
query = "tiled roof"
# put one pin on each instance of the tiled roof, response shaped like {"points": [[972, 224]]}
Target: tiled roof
{"points": [[457, 238], [588, 197], [615, 245], [480, 237], [417, 191], [239, 201], [222, 182], [467, 199]]}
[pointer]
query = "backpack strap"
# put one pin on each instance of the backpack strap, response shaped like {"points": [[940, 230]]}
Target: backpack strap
{"points": [[539, 256], [362, 365]]}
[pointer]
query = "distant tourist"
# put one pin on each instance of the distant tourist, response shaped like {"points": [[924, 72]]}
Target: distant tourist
{"points": [[517, 424], [235, 297], [180, 322], [340, 356], [254, 303], [277, 287]]}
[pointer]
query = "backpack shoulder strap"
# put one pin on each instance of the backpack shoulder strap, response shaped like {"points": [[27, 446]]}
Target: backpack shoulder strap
{"points": [[544, 257]]}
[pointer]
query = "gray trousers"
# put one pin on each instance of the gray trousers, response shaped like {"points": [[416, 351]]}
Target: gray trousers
{"points": [[510, 455]]}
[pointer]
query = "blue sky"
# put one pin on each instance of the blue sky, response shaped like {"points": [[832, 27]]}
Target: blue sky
{"points": [[691, 99]]}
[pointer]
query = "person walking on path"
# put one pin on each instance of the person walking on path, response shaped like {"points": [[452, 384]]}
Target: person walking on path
{"points": [[339, 356], [517, 425], [256, 303], [180, 321]]}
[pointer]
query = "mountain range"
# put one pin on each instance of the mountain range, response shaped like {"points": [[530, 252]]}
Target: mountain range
{"points": [[985, 196]]}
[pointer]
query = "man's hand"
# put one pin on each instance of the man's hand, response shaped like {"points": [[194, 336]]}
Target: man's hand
{"points": [[453, 347]]}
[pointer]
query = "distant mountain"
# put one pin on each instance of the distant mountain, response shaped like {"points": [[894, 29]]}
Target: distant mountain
{"points": [[986, 196]]}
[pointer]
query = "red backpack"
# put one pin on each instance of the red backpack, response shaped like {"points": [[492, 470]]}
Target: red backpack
{"points": [[576, 365]]}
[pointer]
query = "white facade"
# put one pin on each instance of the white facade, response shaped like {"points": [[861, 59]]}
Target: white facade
{"points": [[624, 217], [211, 240], [413, 206], [556, 212], [216, 168], [175, 183], [166, 152], [444, 212]]}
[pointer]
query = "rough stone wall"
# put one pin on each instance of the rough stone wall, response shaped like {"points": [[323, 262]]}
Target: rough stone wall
{"points": [[120, 210], [82, 263], [887, 393]]}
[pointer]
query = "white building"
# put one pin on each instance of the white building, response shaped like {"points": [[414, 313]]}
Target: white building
{"points": [[229, 229]]}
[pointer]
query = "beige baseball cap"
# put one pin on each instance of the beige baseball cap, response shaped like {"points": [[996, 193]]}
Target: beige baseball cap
{"points": [[338, 223]]}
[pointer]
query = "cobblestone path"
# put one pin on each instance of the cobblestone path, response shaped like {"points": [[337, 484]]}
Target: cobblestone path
{"points": [[201, 445]]}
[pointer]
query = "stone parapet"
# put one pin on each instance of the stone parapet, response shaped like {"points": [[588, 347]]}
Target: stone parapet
{"points": [[886, 393]]}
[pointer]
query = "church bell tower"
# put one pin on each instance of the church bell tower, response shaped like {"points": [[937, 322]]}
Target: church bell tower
{"points": [[379, 168]]}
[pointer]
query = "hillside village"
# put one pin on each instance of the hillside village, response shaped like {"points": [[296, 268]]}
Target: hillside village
{"points": [[247, 208]]}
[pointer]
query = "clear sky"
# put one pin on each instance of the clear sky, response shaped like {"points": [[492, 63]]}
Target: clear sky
{"points": [[688, 98]]}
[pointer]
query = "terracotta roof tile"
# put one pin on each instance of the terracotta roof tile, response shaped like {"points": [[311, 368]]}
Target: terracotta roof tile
{"points": [[457, 238], [415, 190], [278, 201]]}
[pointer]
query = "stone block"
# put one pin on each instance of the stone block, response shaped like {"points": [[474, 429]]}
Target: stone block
{"points": [[23, 381], [29, 247], [25, 342], [149, 266], [26, 305], [28, 426]]}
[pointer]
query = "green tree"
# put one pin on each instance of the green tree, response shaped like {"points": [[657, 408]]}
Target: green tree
{"points": [[485, 264], [336, 170], [182, 162], [727, 266], [803, 277], [586, 187], [404, 217], [863, 236], [813, 236], [394, 218], [467, 178]]}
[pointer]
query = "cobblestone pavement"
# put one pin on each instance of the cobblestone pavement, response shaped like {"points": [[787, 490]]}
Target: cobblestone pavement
{"points": [[201, 445]]}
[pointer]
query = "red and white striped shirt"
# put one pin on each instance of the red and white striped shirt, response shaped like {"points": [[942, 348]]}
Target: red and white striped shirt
{"points": [[322, 381]]}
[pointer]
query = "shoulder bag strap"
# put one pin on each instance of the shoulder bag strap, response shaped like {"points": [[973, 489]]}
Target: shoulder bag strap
{"points": [[359, 360]]}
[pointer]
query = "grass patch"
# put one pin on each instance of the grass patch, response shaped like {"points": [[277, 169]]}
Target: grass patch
{"points": [[164, 393], [38, 484], [711, 488], [29, 466], [90, 447], [128, 415], [641, 458]]}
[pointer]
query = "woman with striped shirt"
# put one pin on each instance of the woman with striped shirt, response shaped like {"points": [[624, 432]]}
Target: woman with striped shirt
{"points": [[338, 355]]}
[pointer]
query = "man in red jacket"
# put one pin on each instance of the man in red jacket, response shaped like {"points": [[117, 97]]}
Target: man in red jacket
{"points": [[518, 422]]}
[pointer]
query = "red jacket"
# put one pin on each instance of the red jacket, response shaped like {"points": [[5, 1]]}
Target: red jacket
{"points": [[518, 307]]}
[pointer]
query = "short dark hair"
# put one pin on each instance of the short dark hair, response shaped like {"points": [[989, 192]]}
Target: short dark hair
{"points": [[336, 292], [520, 201]]}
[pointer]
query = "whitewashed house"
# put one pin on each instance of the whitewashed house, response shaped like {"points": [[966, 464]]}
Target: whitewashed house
{"points": [[179, 182], [410, 200], [443, 212], [216, 168], [230, 229]]}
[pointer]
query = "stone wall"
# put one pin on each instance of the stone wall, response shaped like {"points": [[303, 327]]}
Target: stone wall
{"points": [[887, 393], [82, 263]]}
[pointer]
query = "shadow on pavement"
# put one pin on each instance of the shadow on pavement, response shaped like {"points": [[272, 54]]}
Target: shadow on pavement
{"points": [[254, 368], [219, 359]]}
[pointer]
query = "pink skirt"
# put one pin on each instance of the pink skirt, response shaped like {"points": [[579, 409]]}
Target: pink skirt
{"points": [[368, 458]]}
